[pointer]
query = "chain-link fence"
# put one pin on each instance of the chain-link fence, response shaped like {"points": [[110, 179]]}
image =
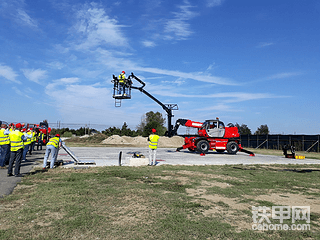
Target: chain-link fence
{"points": [[308, 143]]}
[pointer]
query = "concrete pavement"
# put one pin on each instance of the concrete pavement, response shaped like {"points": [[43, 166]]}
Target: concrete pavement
{"points": [[106, 156]]}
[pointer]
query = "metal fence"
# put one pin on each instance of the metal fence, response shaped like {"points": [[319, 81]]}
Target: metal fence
{"points": [[308, 143]]}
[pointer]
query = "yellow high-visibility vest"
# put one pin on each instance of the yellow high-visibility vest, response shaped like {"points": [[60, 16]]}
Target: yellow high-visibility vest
{"points": [[121, 78], [16, 140], [34, 137], [41, 135], [28, 139], [54, 141], [4, 139], [153, 143]]}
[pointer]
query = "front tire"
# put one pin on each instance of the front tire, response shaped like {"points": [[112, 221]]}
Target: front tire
{"points": [[203, 146], [232, 147]]}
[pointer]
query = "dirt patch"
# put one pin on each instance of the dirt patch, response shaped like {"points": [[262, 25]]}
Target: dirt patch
{"points": [[236, 211], [164, 142], [210, 176], [288, 199]]}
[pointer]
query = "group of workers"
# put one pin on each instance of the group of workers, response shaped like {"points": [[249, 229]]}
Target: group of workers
{"points": [[17, 140]]}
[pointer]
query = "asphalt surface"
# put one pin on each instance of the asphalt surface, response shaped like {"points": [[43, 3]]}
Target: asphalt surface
{"points": [[7, 184], [107, 156]]}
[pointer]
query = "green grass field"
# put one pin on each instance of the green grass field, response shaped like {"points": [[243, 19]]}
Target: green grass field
{"points": [[164, 202]]}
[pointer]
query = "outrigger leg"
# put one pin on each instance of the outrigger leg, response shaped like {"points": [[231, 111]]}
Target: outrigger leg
{"points": [[241, 149]]}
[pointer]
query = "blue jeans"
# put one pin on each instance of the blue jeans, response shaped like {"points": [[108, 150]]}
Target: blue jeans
{"points": [[15, 156], [54, 153], [4, 154], [25, 151], [39, 145]]}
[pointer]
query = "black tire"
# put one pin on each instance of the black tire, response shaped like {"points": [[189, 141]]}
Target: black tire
{"points": [[203, 146], [232, 147]]}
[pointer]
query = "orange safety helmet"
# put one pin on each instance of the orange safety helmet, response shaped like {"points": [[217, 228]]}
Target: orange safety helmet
{"points": [[153, 130], [123, 72]]}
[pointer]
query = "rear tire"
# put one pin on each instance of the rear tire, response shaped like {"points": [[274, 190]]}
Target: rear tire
{"points": [[203, 146], [232, 147]]}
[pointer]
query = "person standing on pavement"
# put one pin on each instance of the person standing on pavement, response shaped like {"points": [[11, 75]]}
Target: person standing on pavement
{"points": [[52, 147], [153, 145], [27, 144], [4, 147], [40, 140], [33, 141], [16, 142]]}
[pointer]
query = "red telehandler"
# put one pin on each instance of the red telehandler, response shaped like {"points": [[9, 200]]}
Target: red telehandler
{"points": [[212, 135]]}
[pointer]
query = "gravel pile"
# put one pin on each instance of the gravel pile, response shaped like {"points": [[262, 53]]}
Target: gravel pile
{"points": [[139, 141]]}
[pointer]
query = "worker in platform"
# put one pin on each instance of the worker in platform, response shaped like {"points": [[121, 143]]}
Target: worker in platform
{"points": [[4, 147], [153, 145], [16, 142], [52, 147], [122, 82]]}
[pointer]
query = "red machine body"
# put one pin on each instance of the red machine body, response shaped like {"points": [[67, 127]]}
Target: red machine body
{"points": [[44, 128], [212, 135]]}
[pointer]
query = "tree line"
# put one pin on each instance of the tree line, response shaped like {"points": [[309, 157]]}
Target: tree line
{"points": [[149, 121], [245, 130]]}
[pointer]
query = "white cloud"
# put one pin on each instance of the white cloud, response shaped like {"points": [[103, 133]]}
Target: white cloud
{"points": [[178, 28], [284, 75], [15, 11], [88, 101], [214, 3], [60, 82], [264, 44], [195, 76], [148, 43], [35, 75], [24, 18], [8, 74], [97, 29], [228, 96], [19, 92], [56, 65]]}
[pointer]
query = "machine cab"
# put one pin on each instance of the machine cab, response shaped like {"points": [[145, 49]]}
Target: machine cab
{"points": [[214, 128]]}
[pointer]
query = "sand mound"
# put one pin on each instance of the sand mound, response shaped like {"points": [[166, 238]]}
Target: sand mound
{"points": [[139, 141]]}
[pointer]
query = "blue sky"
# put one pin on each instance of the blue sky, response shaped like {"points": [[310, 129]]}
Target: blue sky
{"points": [[244, 61]]}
